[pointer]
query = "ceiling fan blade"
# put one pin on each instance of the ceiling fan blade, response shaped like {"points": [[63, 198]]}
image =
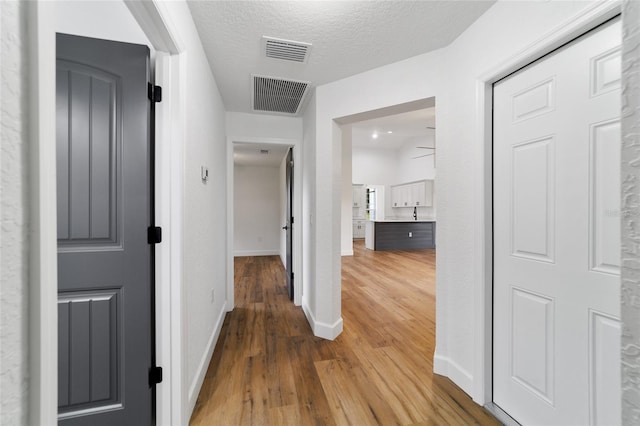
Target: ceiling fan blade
{"points": [[420, 156]]}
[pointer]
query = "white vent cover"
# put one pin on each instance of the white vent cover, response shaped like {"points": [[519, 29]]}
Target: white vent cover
{"points": [[271, 94], [286, 50]]}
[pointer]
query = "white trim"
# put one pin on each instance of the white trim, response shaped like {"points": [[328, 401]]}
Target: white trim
{"points": [[573, 27], [154, 21], [43, 262], [297, 212], [242, 253], [163, 219], [445, 366], [347, 252], [169, 178], [201, 372], [177, 291], [320, 329]]}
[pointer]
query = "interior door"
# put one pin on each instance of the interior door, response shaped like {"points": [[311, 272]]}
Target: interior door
{"points": [[289, 226], [557, 235], [104, 210]]}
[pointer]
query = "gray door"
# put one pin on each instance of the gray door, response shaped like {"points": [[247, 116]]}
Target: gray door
{"points": [[104, 209], [289, 225]]}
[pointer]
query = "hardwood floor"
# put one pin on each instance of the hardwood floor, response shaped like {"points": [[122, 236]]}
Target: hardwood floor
{"points": [[268, 368]]}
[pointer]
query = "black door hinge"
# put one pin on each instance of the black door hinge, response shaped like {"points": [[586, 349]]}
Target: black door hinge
{"points": [[291, 219], [155, 375], [154, 235], [154, 93], [292, 276]]}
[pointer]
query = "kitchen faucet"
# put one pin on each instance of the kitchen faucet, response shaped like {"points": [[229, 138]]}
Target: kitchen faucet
{"points": [[415, 213]]}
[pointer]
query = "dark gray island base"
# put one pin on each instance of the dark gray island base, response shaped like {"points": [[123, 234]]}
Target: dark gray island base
{"points": [[401, 235]]}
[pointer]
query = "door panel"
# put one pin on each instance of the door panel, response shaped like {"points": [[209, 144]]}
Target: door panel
{"points": [[289, 227], [557, 235], [104, 259]]}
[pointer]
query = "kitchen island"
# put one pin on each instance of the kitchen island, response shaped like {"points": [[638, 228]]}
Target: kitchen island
{"points": [[400, 234]]}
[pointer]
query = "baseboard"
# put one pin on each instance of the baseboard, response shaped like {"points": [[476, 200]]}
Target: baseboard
{"points": [[445, 366], [196, 384], [243, 253], [347, 253], [324, 330]]}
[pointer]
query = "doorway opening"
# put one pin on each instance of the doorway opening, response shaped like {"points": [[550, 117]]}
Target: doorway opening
{"points": [[389, 217], [264, 200]]}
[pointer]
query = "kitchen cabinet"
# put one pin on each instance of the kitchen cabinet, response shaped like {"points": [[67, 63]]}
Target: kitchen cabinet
{"points": [[359, 201], [359, 229], [400, 235], [413, 194], [358, 195]]}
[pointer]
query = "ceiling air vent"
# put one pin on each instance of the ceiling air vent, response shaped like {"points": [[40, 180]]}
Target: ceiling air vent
{"points": [[277, 95], [286, 50]]}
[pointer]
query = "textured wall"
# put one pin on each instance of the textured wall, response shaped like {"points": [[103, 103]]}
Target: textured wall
{"points": [[631, 214], [13, 217]]}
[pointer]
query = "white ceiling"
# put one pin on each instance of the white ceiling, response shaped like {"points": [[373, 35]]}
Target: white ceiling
{"points": [[248, 154], [348, 37], [405, 126]]}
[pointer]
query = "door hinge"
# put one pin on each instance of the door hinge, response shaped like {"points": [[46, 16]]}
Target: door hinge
{"points": [[291, 219], [292, 276], [155, 375], [154, 93], [154, 235]]}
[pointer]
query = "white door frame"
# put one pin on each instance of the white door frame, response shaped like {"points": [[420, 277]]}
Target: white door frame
{"points": [[578, 25], [43, 314], [297, 213]]}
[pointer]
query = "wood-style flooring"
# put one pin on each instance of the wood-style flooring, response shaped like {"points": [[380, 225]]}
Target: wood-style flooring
{"points": [[269, 369]]}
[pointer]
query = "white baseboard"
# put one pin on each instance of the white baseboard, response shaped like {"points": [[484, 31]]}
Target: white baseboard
{"points": [[347, 253], [447, 367], [242, 253], [196, 384], [326, 331]]}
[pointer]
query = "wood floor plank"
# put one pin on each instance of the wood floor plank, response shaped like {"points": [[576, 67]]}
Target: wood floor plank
{"points": [[269, 369]]}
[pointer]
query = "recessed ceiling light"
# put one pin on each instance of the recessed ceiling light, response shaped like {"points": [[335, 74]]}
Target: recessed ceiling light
{"points": [[389, 132], [375, 135]]}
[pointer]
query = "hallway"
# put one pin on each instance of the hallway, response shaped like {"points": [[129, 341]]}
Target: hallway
{"points": [[268, 368]]}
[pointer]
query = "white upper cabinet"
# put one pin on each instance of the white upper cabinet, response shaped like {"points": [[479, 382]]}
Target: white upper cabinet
{"points": [[359, 200], [358, 195], [414, 194]]}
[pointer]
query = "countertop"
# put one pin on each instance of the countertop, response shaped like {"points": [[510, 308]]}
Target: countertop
{"points": [[404, 220]]}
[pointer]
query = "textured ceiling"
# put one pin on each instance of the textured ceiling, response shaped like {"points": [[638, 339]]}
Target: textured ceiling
{"points": [[348, 37], [409, 125]]}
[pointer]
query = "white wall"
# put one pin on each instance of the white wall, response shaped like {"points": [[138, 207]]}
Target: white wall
{"points": [[630, 214], [346, 242], [308, 212], [96, 19], [242, 126], [257, 228], [410, 169], [204, 214], [14, 217], [449, 75]]}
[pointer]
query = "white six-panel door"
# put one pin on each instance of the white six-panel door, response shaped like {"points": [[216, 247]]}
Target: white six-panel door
{"points": [[557, 236]]}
